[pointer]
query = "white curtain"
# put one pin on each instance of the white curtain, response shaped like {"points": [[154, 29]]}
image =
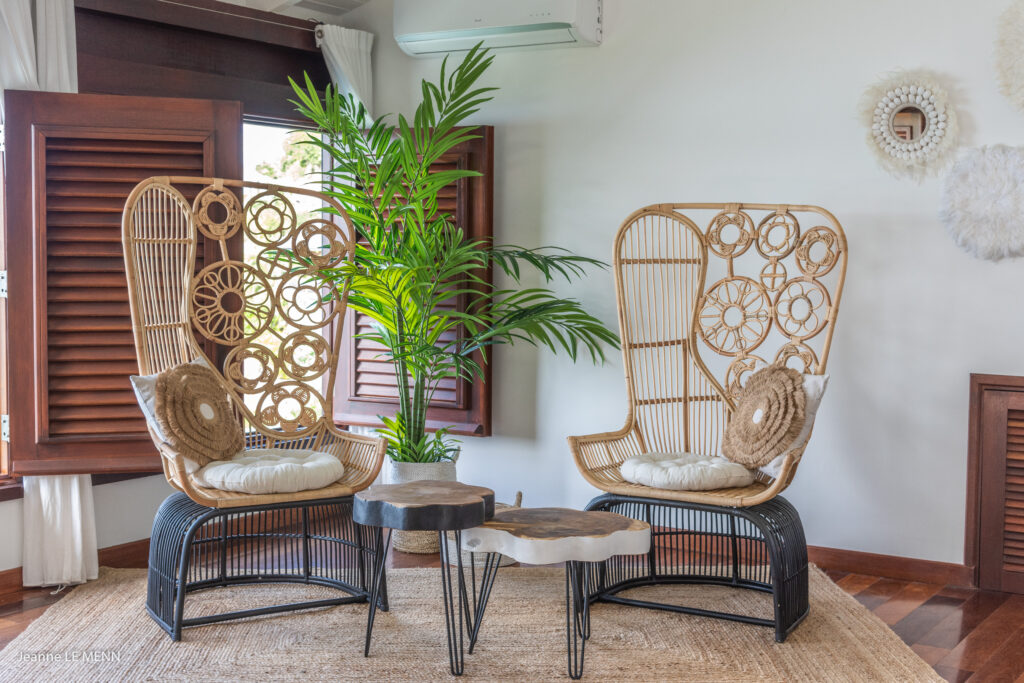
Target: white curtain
{"points": [[59, 543], [347, 53]]}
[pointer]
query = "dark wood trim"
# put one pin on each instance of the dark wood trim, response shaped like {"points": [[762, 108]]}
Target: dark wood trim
{"points": [[10, 581], [891, 566], [130, 555], [980, 383], [210, 16], [134, 554]]}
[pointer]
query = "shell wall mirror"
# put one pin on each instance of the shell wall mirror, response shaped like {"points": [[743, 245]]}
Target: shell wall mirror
{"points": [[911, 125]]}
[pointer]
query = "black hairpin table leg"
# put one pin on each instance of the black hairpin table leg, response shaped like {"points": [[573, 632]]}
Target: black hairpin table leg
{"points": [[577, 614], [455, 615], [378, 583], [490, 571]]}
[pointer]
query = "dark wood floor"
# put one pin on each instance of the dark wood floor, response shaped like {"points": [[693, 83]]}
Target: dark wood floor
{"points": [[964, 634]]}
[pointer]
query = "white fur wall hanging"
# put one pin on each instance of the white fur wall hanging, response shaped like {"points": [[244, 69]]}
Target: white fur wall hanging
{"points": [[1010, 53], [911, 127], [983, 202]]}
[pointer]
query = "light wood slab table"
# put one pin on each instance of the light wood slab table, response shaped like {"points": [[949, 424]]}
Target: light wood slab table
{"points": [[550, 536]]}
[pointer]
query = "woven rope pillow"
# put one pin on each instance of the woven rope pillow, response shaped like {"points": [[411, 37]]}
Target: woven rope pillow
{"points": [[194, 415], [769, 415]]}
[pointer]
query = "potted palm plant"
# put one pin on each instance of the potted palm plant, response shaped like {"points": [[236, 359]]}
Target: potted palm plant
{"points": [[413, 262]]}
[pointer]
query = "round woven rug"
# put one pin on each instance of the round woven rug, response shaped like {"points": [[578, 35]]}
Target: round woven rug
{"points": [[101, 632]]}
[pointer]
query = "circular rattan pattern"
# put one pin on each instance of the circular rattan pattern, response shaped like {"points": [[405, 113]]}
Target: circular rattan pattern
{"points": [[800, 351], [818, 251], [269, 218], [293, 407], [226, 203], [252, 368], [304, 303], [773, 275], [730, 233], [230, 302], [305, 356], [769, 415], [739, 371], [321, 242], [735, 316], [273, 264], [777, 235], [194, 415], [801, 308]]}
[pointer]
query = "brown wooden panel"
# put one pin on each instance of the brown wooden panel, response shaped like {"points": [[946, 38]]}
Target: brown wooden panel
{"points": [[198, 48], [367, 386], [996, 503], [76, 158]]}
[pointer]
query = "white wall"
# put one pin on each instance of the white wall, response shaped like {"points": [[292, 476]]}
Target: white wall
{"points": [[699, 100]]}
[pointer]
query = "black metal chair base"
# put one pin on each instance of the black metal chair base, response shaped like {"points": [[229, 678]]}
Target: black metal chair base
{"points": [[760, 548], [194, 547]]}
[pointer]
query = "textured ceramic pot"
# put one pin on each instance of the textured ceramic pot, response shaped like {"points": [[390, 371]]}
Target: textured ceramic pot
{"points": [[421, 542]]}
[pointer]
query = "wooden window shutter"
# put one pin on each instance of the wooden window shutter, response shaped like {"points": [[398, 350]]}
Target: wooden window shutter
{"points": [[71, 161], [367, 386], [1000, 483]]}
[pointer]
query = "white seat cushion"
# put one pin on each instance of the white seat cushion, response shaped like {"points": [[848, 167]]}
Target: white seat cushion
{"points": [[685, 472], [271, 470]]}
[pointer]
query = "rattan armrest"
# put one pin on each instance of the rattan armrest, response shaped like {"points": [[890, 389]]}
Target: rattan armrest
{"points": [[598, 456]]}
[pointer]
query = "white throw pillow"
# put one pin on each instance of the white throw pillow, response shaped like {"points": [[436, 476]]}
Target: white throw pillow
{"points": [[685, 472], [271, 470], [814, 390]]}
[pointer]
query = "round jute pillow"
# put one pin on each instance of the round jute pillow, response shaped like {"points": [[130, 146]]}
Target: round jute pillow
{"points": [[193, 412], [768, 417]]}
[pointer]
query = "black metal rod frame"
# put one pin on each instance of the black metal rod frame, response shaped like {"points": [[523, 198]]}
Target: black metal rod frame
{"points": [[194, 547], [759, 548]]}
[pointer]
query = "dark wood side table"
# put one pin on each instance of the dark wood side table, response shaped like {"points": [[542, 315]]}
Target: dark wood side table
{"points": [[440, 506], [550, 536]]}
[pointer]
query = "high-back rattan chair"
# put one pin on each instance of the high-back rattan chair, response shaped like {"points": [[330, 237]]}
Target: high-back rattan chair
{"points": [[707, 294], [215, 278]]}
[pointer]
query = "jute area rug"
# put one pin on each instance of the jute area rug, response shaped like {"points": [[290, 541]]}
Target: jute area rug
{"points": [[101, 632]]}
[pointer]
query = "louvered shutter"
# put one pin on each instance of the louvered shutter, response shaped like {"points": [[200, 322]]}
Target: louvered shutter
{"points": [[366, 381], [71, 162], [1000, 531]]}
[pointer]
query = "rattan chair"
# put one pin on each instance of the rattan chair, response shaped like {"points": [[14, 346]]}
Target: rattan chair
{"points": [[700, 309], [199, 289]]}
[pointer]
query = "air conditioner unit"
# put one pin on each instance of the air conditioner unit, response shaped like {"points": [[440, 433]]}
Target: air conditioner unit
{"points": [[430, 27]]}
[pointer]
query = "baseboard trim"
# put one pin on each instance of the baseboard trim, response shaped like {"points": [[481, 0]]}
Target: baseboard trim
{"points": [[892, 567], [136, 554], [133, 554]]}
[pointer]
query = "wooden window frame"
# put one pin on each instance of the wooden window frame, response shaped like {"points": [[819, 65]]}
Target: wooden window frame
{"points": [[475, 197]]}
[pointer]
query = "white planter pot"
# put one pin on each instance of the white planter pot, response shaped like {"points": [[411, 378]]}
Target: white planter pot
{"points": [[420, 542]]}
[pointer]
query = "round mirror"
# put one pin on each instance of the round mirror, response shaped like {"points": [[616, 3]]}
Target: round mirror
{"points": [[908, 123], [911, 127]]}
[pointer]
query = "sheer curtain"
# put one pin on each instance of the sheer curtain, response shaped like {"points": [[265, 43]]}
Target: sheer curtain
{"points": [[37, 52], [347, 53]]}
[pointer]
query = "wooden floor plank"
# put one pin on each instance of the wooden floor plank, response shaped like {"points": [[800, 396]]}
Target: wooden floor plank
{"points": [[879, 592], [932, 655], [950, 631], [855, 583], [918, 623], [980, 644], [1005, 664], [909, 598], [952, 674]]}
